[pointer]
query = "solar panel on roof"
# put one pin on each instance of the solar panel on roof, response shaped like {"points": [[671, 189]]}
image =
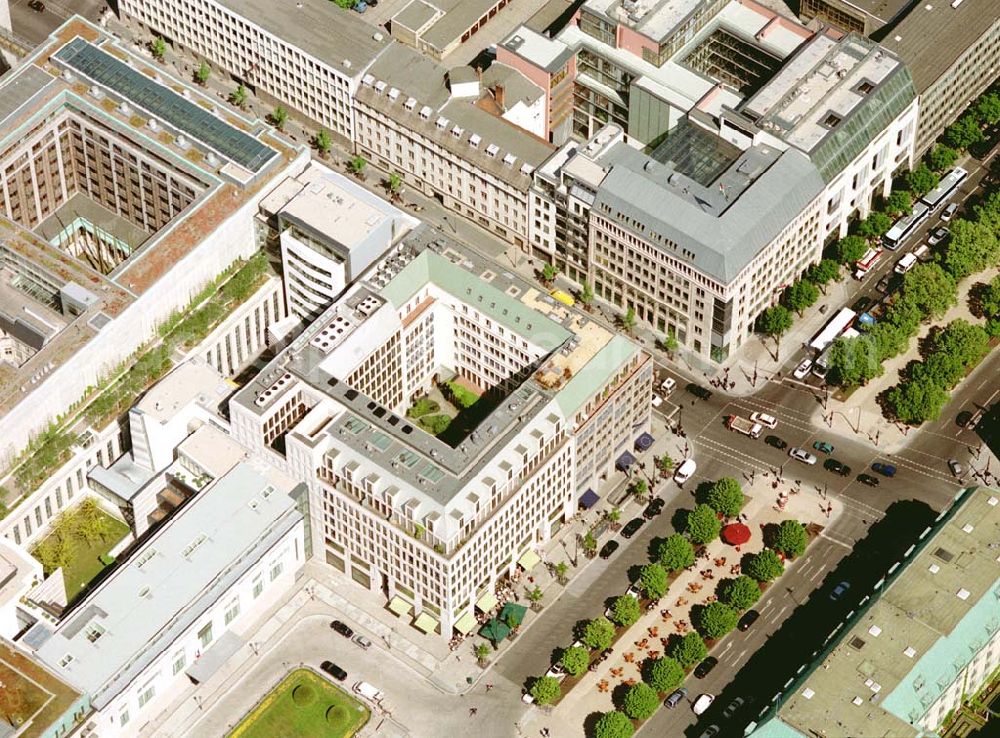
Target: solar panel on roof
{"points": [[164, 104]]}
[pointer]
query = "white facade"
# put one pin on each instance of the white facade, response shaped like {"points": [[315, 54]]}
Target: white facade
{"points": [[243, 336]]}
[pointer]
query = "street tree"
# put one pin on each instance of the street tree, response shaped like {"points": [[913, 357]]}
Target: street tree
{"points": [[238, 97], [482, 653], [158, 48], [703, 525], [989, 298], [549, 273], [725, 496], [689, 650], [625, 610], [972, 246], [675, 553], [716, 619], [740, 593], [791, 538], [875, 225], [613, 724], [823, 272], [598, 633], [323, 142], [202, 74], [850, 248], [639, 488], [393, 183], [670, 344], [930, 288], [640, 701], [535, 596], [666, 463], [587, 296], [775, 322], [561, 569], [653, 580], [663, 674], [279, 116], [987, 108], [800, 295], [914, 402], [765, 566], [628, 320], [546, 690], [964, 132], [589, 543], [614, 516], [899, 202], [921, 180], [941, 157], [356, 165], [575, 660], [853, 361]]}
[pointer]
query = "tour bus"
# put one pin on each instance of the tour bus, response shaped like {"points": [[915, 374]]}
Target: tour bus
{"points": [[903, 227], [949, 183], [865, 264]]}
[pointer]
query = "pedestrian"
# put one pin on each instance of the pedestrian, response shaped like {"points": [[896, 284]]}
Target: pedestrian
{"points": [[473, 711], [488, 686]]}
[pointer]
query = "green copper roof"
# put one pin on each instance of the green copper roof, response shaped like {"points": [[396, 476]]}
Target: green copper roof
{"points": [[470, 288]]}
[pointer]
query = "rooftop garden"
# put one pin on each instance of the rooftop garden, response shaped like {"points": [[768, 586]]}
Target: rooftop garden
{"points": [[452, 410], [304, 704], [31, 699]]}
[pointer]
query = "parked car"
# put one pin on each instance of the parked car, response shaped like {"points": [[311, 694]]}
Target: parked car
{"points": [[802, 455], [707, 664], [608, 549], [342, 628], [675, 698], [776, 442], [937, 236], [37, 5], [667, 385], [527, 698], [883, 284], [698, 391], [333, 670], [956, 468], [748, 619], [657, 400], [633, 591], [837, 467], [703, 703], [685, 471], [949, 212], [654, 508], [840, 590], [732, 707], [886, 470], [802, 370], [368, 691], [861, 304], [711, 731], [823, 446], [363, 642], [632, 527], [868, 479], [768, 421]]}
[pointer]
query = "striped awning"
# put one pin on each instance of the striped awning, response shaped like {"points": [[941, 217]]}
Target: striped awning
{"points": [[426, 623], [400, 606], [465, 623], [529, 560], [487, 602]]}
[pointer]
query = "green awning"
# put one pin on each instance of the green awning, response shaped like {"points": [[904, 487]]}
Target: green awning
{"points": [[426, 623], [465, 623], [512, 614], [529, 560], [494, 631], [400, 606], [487, 602]]}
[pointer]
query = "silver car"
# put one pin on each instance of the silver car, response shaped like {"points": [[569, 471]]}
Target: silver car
{"points": [[802, 455]]}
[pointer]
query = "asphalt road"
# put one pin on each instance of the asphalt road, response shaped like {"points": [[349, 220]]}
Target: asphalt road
{"points": [[34, 27]]}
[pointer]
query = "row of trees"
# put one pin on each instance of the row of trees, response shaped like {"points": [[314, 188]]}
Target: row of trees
{"points": [[968, 130], [797, 297]]}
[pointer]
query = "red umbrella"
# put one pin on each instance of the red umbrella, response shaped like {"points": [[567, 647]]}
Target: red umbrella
{"points": [[736, 534]]}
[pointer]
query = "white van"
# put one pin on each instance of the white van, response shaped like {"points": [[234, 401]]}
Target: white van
{"points": [[905, 264], [685, 471], [368, 691]]}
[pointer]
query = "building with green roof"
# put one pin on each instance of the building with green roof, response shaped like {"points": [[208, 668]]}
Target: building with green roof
{"points": [[925, 639]]}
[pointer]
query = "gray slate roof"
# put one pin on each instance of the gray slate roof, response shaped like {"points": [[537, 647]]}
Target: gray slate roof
{"points": [[723, 236]]}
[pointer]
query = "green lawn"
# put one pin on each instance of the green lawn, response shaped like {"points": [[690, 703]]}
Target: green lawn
{"points": [[83, 561], [304, 704]]}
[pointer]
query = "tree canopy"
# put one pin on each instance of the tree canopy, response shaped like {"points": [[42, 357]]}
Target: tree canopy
{"points": [[800, 295], [941, 157], [703, 525], [664, 674], [853, 361], [675, 553], [598, 633], [740, 593], [899, 202], [613, 724], [689, 650], [876, 224], [625, 610], [964, 132], [921, 180], [640, 701], [545, 690], [765, 566], [971, 247], [791, 538], [930, 288], [725, 496], [575, 660], [774, 321], [850, 248], [716, 619], [823, 272], [653, 580], [916, 401]]}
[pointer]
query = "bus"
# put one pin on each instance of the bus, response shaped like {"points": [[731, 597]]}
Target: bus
{"points": [[949, 183], [837, 325], [903, 227], [864, 265]]}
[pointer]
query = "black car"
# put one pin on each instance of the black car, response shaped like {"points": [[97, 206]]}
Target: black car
{"points": [[342, 628], [37, 5], [698, 391], [861, 304], [776, 442], [748, 619], [608, 548], [631, 527], [653, 509], [333, 670], [837, 467], [868, 479], [701, 670]]}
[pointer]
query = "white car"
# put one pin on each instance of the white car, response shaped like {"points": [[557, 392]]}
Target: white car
{"points": [[657, 400], [802, 455], [685, 471], [949, 212], [905, 264], [764, 419], [802, 370], [703, 703], [667, 385]]}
